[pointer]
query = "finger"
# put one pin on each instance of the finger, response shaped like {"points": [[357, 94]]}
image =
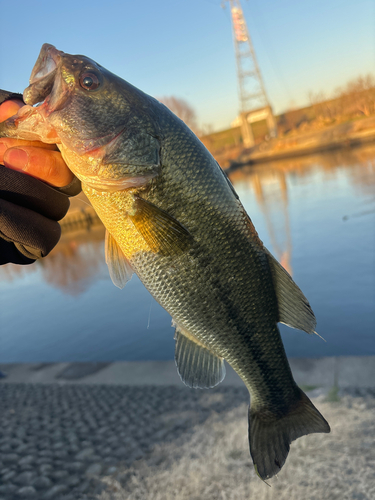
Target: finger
{"points": [[48, 166], [12, 143], [9, 108]]}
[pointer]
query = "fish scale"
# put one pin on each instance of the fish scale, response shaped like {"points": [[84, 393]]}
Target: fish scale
{"points": [[213, 329], [174, 219]]}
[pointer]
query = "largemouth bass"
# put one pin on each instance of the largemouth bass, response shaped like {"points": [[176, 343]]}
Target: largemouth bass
{"points": [[174, 219]]}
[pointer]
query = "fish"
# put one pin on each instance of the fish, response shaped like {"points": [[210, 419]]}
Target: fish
{"points": [[173, 217]]}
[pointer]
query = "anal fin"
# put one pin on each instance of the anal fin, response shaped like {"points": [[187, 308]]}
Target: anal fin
{"points": [[197, 366]]}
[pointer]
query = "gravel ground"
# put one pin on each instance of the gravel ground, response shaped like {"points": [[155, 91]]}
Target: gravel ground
{"points": [[65, 442], [57, 440]]}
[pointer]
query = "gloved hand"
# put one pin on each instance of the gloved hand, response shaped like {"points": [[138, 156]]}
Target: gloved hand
{"points": [[30, 208]]}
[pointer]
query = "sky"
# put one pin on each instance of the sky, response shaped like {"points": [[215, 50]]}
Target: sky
{"points": [[185, 48]]}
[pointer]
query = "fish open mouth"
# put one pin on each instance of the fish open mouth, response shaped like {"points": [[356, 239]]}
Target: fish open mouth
{"points": [[43, 77]]}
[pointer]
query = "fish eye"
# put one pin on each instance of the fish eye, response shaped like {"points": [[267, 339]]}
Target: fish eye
{"points": [[89, 80]]}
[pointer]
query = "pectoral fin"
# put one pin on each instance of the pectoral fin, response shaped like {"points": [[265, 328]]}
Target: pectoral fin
{"points": [[162, 232], [119, 267], [294, 308], [197, 366]]}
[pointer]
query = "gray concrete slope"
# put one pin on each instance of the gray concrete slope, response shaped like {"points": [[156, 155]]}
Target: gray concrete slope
{"points": [[353, 371]]}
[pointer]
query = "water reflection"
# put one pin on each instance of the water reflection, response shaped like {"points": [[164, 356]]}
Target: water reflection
{"points": [[272, 196], [77, 262], [269, 183], [73, 265], [320, 206]]}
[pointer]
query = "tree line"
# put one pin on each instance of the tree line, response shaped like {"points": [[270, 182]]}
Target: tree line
{"points": [[356, 98]]}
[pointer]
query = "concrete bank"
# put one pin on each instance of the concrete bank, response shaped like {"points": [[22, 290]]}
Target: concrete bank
{"points": [[343, 135], [114, 431], [351, 371]]}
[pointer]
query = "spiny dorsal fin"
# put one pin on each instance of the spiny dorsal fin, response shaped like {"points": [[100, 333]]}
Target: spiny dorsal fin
{"points": [[294, 308], [119, 267], [162, 232], [197, 366]]}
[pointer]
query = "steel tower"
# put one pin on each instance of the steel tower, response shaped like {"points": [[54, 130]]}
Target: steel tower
{"points": [[254, 104], [251, 88]]}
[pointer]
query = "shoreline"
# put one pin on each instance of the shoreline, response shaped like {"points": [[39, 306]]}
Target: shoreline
{"points": [[327, 372], [344, 135]]}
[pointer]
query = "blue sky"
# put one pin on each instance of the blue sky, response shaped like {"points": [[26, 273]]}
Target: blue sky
{"points": [[184, 47]]}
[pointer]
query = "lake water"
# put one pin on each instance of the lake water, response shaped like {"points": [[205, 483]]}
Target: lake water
{"points": [[317, 216]]}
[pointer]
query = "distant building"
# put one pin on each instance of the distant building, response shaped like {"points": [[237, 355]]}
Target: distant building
{"points": [[236, 122], [246, 118]]}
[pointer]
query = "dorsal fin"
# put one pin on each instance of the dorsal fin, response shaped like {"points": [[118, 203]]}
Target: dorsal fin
{"points": [[197, 366], [119, 267], [294, 308]]}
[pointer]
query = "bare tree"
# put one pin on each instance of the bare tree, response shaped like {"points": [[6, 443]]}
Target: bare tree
{"points": [[356, 97], [207, 128], [183, 110]]}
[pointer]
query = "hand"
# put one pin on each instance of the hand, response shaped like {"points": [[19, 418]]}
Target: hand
{"points": [[31, 205], [42, 161]]}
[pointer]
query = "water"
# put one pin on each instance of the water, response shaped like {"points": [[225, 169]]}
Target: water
{"points": [[315, 214]]}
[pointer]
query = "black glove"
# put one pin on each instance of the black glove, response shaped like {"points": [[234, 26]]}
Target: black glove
{"points": [[29, 211]]}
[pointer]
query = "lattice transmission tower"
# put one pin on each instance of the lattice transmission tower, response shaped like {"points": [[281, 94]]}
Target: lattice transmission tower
{"points": [[251, 87]]}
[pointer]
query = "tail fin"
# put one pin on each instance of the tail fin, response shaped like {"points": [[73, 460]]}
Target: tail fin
{"points": [[270, 436]]}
